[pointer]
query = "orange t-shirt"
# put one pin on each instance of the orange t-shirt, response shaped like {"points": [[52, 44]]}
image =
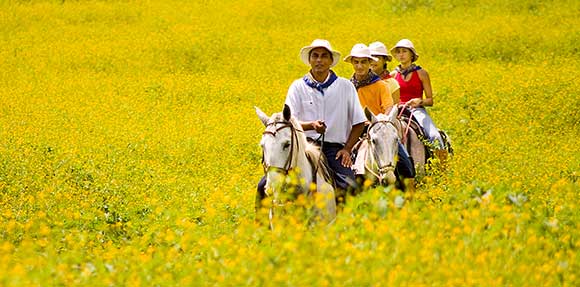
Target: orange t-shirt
{"points": [[376, 97]]}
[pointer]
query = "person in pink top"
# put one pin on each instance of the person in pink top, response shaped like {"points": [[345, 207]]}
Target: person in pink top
{"points": [[414, 83]]}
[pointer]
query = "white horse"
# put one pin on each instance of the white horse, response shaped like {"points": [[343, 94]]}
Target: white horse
{"points": [[377, 153], [415, 141], [286, 150]]}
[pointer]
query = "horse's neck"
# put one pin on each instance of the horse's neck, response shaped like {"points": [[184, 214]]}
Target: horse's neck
{"points": [[319, 168], [302, 158], [303, 163]]}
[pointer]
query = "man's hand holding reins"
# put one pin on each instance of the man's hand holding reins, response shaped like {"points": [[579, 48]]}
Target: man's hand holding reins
{"points": [[319, 126], [344, 155]]}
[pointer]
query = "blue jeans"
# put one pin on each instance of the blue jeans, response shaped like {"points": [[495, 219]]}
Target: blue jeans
{"points": [[429, 127], [405, 167], [343, 176]]}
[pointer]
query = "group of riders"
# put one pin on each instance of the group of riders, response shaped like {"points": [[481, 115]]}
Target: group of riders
{"points": [[330, 109]]}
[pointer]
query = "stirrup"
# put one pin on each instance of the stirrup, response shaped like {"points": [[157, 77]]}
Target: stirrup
{"points": [[446, 142]]}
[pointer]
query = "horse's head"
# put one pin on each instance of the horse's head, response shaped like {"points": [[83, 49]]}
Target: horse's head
{"points": [[383, 137], [282, 141]]}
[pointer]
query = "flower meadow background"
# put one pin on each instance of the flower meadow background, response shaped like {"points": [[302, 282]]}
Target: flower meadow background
{"points": [[129, 145]]}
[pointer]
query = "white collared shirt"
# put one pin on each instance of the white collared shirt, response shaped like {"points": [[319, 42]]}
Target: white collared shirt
{"points": [[339, 108]]}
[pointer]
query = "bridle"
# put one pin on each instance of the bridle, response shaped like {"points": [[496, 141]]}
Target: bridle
{"points": [[315, 162], [272, 130], [382, 170]]}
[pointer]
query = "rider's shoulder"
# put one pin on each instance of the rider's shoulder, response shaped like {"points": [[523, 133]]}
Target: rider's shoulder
{"points": [[343, 80], [422, 72]]}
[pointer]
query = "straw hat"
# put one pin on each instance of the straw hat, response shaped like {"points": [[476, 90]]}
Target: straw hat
{"points": [[406, 43], [360, 51], [379, 49], [319, 43]]}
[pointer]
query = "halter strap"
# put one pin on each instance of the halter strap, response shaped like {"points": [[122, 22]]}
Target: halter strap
{"points": [[381, 169], [293, 139], [381, 122], [317, 164], [285, 124]]}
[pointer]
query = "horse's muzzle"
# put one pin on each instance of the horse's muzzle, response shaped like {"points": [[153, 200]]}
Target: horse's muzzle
{"points": [[388, 173]]}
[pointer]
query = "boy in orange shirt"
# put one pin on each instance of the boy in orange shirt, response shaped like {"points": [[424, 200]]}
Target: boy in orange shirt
{"points": [[374, 94]]}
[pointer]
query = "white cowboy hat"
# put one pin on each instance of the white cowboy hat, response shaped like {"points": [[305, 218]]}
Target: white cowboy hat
{"points": [[406, 43], [379, 49], [360, 51], [319, 43]]}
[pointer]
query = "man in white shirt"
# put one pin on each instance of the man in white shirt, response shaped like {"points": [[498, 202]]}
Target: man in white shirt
{"points": [[328, 108]]}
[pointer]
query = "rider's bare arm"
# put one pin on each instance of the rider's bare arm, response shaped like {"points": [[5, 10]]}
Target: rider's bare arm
{"points": [[355, 132], [344, 153], [426, 81], [318, 126]]}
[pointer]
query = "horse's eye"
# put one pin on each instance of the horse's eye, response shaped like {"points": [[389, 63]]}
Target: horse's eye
{"points": [[286, 145]]}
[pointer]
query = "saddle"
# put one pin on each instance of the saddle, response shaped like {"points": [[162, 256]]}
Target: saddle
{"points": [[408, 118]]}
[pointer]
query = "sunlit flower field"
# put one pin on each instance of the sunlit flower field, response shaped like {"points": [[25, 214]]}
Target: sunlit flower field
{"points": [[129, 145]]}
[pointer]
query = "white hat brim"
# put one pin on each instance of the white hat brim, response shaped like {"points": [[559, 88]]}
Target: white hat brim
{"points": [[412, 50], [347, 59], [305, 54], [389, 57]]}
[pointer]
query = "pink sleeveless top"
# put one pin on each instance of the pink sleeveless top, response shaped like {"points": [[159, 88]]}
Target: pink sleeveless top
{"points": [[413, 89]]}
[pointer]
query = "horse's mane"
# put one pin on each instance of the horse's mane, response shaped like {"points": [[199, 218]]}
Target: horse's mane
{"points": [[318, 161]]}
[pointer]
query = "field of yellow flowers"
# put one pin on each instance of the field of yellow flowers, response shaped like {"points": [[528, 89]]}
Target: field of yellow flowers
{"points": [[129, 146]]}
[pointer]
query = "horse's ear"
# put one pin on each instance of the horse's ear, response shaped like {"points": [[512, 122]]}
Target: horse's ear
{"points": [[393, 119], [370, 116], [394, 113], [263, 117], [287, 114]]}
